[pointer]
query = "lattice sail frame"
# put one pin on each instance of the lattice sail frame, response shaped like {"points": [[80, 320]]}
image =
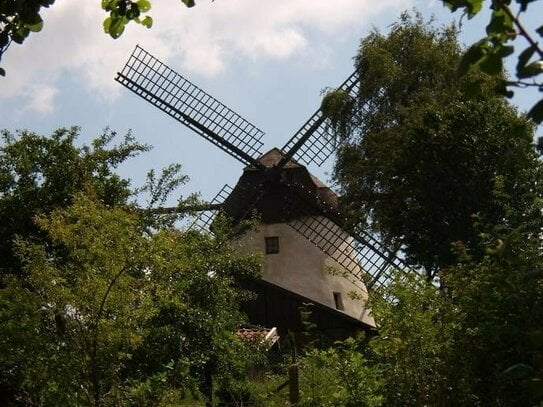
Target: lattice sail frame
{"points": [[205, 218], [361, 254], [167, 90], [314, 142]]}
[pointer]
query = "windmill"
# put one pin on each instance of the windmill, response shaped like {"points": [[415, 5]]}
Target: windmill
{"points": [[309, 257]]}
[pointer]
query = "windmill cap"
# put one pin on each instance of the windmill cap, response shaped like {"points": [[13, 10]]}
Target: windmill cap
{"points": [[272, 158]]}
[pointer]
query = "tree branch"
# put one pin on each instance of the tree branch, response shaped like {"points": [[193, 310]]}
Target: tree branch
{"points": [[95, 339], [522, 30]]}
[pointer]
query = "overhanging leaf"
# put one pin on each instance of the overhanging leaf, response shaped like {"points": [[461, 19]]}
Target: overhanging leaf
{"points": [[114, 26], [107, 24], [501, 89], [500, 24], [533, 69], [35, 27], [505, 50], [472, 57], [29, 17], [524, 4], [147, 22], [472, 7], [20, 34], [132, 13], [107, 5], [536, 112], [523, 59], [491, 64], [144, 5]]}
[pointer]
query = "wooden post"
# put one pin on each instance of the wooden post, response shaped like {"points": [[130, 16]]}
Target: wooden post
{"points": [[207, 386], [293, 384], [293, 373]]}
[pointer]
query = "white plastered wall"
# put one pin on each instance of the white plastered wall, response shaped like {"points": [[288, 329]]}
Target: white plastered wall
{"points": [[303, 268]]}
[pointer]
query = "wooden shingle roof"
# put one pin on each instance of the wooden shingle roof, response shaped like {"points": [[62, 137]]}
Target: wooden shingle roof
{"points": [[278, 195]]}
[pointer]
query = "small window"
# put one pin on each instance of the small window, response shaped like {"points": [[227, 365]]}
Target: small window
{"points": [[272, 245], [338, 301]]}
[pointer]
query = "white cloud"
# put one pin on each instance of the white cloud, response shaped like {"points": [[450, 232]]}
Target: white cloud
{"points": [[41, 99], [36, 98], [205, 39]]}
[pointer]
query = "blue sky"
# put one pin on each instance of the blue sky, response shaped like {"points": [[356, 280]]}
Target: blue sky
{"points": [[267, 60]]}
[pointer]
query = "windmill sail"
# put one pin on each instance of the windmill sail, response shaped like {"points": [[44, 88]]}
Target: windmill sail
{"points": [[205, 218], [164, 88], [314, 142], [363, 255]]}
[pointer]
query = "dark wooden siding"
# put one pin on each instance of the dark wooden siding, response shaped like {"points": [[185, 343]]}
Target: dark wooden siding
{"points": [[277, 307]]}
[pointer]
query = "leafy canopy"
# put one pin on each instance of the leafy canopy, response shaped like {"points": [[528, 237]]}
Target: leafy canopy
{"points": [[101, 304], [39, 174], [452, 177], [421, 153], [475, 340]]}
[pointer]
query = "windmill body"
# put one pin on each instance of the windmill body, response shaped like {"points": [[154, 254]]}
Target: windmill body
{"points": [[294, 270]]}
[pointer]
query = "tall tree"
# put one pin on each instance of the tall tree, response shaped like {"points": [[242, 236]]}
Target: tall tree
{"points": [[99, 304], [39, 174], [118, 316], [453, 177], [422, 154], [478, 342]]}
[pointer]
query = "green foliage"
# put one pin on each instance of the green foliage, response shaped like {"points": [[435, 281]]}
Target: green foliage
{"points": [[504, 27], [414, 346], [130, 314], [336, 105], [121, 12], [17, 20], [39, 174], [499, 299], [422, 154], [476, 340], [92, 298], [453, 178], [99, 304], [499, 303], [339, 376]]}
